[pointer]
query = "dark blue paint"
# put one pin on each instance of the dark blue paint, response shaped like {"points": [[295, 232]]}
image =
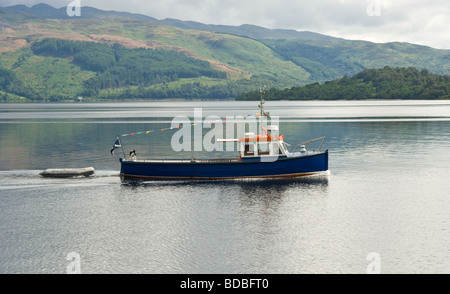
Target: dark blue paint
{"points": [[294, 166]]}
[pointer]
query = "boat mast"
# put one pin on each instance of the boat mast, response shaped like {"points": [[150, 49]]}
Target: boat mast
{"points": [[262, 91], [121, 146]]}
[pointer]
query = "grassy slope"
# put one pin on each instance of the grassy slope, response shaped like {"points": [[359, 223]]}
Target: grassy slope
{"points": [[232, 54], [248, 62], [240, 57], [331, 60]]}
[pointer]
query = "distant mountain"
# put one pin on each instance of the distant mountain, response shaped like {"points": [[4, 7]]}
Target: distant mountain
{"points": [[246, 56], [47, 11], [326, 60], [251, 31]]}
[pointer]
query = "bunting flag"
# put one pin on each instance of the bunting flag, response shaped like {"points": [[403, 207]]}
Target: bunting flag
{"points": [[179, 127], [118, 143], [151, 131]]}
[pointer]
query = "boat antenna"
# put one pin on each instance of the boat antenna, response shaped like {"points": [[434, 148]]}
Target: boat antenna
{"points": [[262, 92]]}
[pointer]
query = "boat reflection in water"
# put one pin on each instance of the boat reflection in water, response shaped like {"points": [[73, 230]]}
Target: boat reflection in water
{"points": [[264, 186]]}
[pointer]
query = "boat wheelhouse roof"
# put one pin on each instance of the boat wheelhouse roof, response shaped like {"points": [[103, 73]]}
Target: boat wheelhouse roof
{"points": [[256, 138], [264, 138], [251, 137]]}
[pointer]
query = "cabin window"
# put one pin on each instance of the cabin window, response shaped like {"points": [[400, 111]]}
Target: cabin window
{"points": [[249, 149]]}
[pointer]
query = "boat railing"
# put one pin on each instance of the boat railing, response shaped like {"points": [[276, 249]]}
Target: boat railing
{"points": [[307, 144], [193, 160]]}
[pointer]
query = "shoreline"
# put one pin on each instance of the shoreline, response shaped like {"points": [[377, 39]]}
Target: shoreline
{"points": [[212, 100]]}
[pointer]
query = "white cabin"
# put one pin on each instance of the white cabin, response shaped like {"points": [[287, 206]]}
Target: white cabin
{"points": [[253, 146]]}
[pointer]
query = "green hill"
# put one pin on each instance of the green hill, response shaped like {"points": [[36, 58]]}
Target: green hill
{"points": [[330, 60], [386, 83], [160, 59]]}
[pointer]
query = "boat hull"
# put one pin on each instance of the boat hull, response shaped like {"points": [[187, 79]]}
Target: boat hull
{"points": [[210, 170]]}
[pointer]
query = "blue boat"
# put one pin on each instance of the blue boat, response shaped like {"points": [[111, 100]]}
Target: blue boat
{"points": [[292, 166], [260, 156]]}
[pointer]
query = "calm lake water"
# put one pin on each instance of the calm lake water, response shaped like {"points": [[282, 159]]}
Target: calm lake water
{"points": [[388, 193]]}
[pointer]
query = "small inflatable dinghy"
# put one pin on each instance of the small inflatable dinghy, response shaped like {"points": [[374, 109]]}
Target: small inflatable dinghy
{"points": [[68, 172]]}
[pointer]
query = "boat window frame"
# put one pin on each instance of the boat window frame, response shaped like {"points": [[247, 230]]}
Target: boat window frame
{"points": [[251, 150], [244, 152]]}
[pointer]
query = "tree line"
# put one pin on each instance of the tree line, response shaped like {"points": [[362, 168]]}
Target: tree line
{"points": [[386, 83], [10, 83]]}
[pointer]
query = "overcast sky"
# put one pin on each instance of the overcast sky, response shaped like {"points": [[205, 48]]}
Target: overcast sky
{"points": [[425, 22]]}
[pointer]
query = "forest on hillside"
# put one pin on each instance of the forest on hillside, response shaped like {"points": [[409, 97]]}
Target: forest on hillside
{"points": [[386, 83], [46, 56], [115, 67], [114, 72]]}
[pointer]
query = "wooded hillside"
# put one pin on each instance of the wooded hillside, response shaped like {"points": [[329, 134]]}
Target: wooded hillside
{"points": [[385, 83]]}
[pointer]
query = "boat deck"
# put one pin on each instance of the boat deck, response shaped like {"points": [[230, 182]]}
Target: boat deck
{"points": [[194, 160]]}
